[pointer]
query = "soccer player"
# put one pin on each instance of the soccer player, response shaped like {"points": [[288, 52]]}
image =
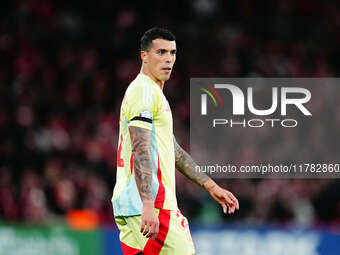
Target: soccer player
{"points": [[144, 197]]}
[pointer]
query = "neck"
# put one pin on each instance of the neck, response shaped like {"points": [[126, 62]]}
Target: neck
{"points": [[145, 71]]}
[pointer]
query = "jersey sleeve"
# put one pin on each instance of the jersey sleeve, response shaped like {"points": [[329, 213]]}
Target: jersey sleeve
{"points": [[142, 105]]}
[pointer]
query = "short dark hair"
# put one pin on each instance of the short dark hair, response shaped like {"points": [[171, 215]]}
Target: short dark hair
{"points": [[155, 33]]}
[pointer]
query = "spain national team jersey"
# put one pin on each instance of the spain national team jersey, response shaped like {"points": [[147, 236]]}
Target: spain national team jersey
{"points": [[145, 106]]}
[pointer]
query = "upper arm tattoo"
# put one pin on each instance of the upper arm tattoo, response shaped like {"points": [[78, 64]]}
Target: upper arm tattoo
{"points": [[186, 165], [140, 141]]}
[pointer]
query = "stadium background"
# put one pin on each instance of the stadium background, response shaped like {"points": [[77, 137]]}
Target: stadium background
{"points": [[64, 66]]}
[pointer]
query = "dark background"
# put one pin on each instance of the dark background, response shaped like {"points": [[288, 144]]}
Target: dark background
{"points": [[64, 66]]}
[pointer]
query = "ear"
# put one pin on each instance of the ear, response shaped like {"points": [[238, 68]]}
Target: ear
{"points": [[144, 56]]}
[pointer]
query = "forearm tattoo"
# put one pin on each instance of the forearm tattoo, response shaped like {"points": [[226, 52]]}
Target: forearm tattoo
{"points": [[140, 141], [186, 165]]}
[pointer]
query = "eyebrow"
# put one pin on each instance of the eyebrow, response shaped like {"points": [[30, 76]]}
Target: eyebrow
{"points": [[162, 49]]}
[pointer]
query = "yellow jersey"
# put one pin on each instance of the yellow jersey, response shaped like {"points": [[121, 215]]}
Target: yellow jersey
{"points": [[144, 105]]}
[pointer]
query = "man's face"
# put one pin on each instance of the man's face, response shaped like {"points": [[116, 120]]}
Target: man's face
{"points": [[161, 58]]}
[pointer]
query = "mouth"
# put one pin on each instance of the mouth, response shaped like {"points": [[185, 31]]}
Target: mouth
{"points": [[166, 69]]}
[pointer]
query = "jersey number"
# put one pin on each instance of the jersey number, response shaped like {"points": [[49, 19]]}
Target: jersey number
{"points": [[120, 161]]}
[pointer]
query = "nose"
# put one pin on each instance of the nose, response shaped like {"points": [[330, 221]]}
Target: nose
{"points": [[168, 58]]}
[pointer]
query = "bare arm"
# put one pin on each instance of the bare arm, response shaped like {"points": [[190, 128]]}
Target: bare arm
{"points": [[140, 141], [186, 165]]}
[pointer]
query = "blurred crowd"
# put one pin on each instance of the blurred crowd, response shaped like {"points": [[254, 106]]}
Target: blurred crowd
{"points": [[64, 66]]}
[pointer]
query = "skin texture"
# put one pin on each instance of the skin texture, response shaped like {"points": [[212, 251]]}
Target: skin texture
{"points": [[140, 140], [187, 167], [157, 63], [162, 54]]}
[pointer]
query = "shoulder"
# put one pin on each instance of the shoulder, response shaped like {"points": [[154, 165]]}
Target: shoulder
{"points": [[143, 88]]}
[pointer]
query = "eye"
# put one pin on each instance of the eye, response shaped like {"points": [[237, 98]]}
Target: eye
{"points": [[161, 51], [173, 52]]}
